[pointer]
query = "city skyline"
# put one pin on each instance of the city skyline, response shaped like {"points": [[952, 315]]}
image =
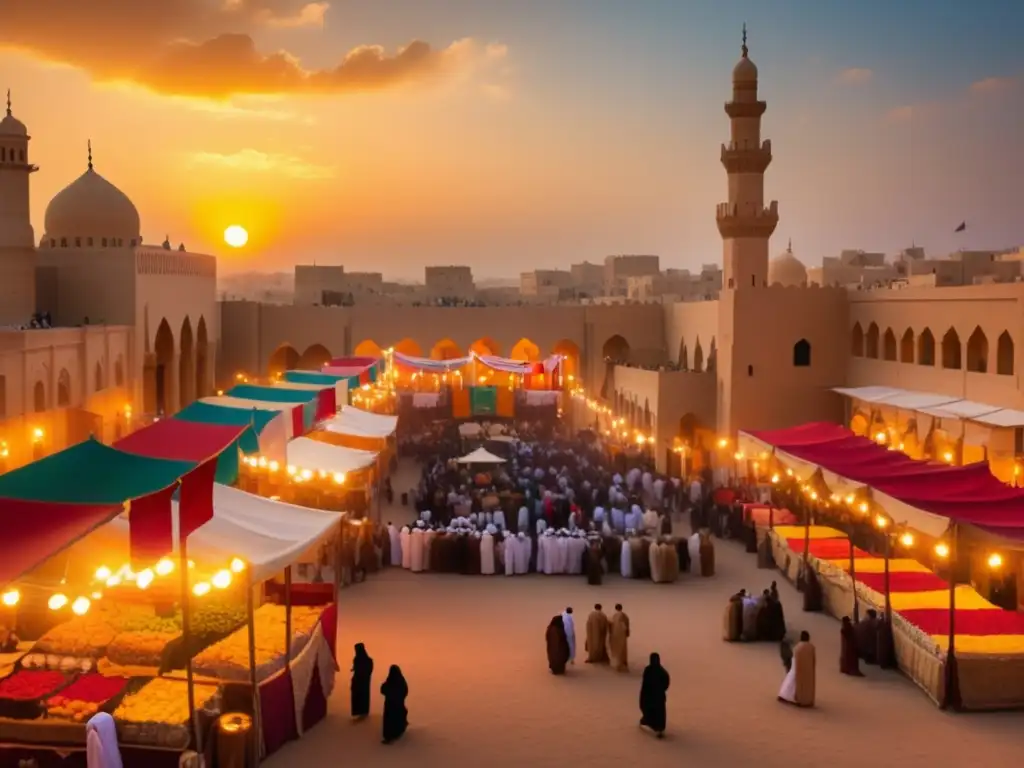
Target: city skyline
{"points": [[508, 140]]}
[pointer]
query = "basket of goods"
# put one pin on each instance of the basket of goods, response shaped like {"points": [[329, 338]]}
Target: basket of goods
{"points": [[85, 697], [23, 693], [229, 659], [81, 637], [140, 649], [157, 713]]}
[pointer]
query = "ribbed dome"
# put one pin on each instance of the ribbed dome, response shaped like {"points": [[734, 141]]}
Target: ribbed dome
{"points": [[786, 269], [12, 126], [92, 207]]}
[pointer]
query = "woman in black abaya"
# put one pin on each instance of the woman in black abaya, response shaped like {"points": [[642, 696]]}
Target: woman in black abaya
{"points": [[396, 716], [362, 671], [653, 693]]}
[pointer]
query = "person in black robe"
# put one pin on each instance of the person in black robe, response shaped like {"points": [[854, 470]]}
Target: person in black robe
{"points": [[776, 617], [683, 553], [557, 645], [666, 524], [813, 601], [764, 617], [849, 663], [593, 562], [886, 644], [396, 716], [653, 692], [362, 671], [474, 555], [867, 637]]}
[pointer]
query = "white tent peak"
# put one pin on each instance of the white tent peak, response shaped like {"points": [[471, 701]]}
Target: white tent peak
{"points": [[481, 456]]}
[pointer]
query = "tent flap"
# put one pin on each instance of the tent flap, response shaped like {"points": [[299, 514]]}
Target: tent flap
{"points": [[358, 423], [305, 453]]}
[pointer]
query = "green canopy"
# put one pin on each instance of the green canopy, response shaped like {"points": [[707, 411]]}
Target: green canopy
{"points": [[205, 413], [91, 473], [272, 394], [311, 377]]}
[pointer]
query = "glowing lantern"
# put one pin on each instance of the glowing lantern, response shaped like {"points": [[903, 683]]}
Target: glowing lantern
{"points": [[881, 522], [995, 560], [200, 589], [144, 579], [164, 567], [11, 597], [941, 550], [237, 565], [81, 606], [907, 539], [775, 478], [57, 601], [863, 507], [221, 579], [103, 573]]}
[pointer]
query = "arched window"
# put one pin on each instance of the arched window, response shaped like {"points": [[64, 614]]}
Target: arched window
{"points": [[89, 242], [951, 350], [104, 242], [63, 242], [1004, 354], [802, 354], [977, 351], [889, 345], [21, 155], [64, 389], [99, 377], [857, 341], [39, 397], [926, 348], [78, 242], [907, 346], [871, 342]]}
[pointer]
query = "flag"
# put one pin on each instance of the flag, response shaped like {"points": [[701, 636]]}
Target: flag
{"points": [[962, 227]]}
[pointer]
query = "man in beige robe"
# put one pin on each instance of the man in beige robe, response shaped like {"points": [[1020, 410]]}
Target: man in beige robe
{"points": [[799, 683], [597, 636], [618, 640]]}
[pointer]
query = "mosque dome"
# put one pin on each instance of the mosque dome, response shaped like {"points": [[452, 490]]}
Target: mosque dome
{"points": [[745, 70], [92, 207], [786, 269], [10, 125]]}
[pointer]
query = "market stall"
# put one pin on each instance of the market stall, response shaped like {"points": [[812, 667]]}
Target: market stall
{"points": [[955, 526], [341, 384], [295, 418], [316, 405], [271, 427], [480, 456]]}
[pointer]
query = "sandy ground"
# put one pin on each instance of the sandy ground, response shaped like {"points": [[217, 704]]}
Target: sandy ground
{"points": [[472, 650]]}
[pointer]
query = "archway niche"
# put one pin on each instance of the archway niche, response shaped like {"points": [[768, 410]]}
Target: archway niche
{"points": [[802, 354], [365, 348], [926, 348], [526, 350], [409, 348], [284, 358], [98, 378], [202, 360], [39, 397], [977, 352], [186, 365], [907, 346], [857, 341], [63, 388], [570, 366], [314, 358], [616, 349], [1004, 354], [445, 349], [951, 352], [486, 346], [871, 342], [698, 358], [163, 372], [889, 345]]}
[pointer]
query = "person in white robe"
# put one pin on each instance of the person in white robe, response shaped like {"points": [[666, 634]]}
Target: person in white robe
{"points": [[599, 515], [563, 552], [416, 545], [541, 553], [577, 546], [487, 554], [618, 520], [606, 530], [659, 491], [625, 559], [654, 558], [652, 523], [617, 479], [406, 548], [498, 518], [396, 545], [511, 554], [428, 541], [570, 633], [425, 516], [522, 564], [647, 483], [693, 545], [523, 519]]}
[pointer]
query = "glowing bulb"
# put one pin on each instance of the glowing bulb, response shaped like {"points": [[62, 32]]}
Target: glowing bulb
{"points": [[941, 550], [164, 567], [291, 470], [789, 473], [274, 466], [863, 507], [880, 437], [57, 601], [850, 499], [144, 579], [775, 478], [262, 461], [738, 455], [221, 579], [11, 597], [307, 474], [191, 564], [37, 434], [81, 606], [103, 573], [948, 457], [881, 522], [237, 565], [995, 560], [907, 539], [814, 495], [97, 595], [722, 442], [114, 580], [339, 477], [200, 589]]}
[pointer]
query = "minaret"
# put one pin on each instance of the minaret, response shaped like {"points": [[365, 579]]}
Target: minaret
{"points": [[17, 241], [744, 222]]}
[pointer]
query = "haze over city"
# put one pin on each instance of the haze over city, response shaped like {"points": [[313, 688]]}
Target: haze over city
{"points": [[510, 136]]}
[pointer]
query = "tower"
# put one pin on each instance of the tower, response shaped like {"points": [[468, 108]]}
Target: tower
{"points": [[17, 241], [744, 222]]}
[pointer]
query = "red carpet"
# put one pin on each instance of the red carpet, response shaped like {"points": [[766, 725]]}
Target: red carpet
{"points": [[826, 549], [980, 622], [902, 582]]}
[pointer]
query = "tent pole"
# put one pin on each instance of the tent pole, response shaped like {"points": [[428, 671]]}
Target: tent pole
{"points": [[951, 699], [186, 640], [888, 593], [853, 577], [807, 539], [288, 614], [257, 726]]}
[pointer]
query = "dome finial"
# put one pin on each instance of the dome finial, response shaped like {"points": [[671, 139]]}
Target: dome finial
{"points": [[9, 102], [90, 154], [744, 48]]}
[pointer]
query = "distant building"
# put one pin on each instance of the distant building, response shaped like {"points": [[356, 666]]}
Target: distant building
{"points": [[618, 270], [545, 283], [450, 282], [587, 278]]}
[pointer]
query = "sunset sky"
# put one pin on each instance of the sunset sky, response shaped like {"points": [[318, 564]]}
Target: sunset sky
{"points": [[513, 134]]}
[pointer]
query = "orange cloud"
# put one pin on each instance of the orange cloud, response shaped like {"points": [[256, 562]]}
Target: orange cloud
{"points": [[191, 48], [992, 85], [855, 76]]}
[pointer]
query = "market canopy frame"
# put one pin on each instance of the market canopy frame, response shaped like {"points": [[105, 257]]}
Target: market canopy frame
{"points": [[480, 456]]}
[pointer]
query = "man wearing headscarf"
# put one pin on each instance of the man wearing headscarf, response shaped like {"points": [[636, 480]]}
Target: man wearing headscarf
{"points": [[406, 549], [570, 633], [653, 694], [557, 646], [618, 640], [597, 636], [396, 545], [101, 749]]}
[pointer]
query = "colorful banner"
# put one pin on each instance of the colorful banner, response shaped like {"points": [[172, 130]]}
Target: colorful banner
{"points": [[483, 401]]}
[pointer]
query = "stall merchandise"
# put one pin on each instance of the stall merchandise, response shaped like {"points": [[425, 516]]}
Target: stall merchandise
{"points": [[85, 697]]}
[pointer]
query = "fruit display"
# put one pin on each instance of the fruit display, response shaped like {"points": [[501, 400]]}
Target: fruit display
{"points": [[140, 649], [82, 636], [157, 713], [229, 659], [21, 694], [65, 664], [84, 697]]}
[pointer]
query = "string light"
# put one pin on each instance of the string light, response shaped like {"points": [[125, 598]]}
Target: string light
{"points": [[81, 606], [237, 565], [881, 521], [200, 589], [221, 579], [11, 597], [863, 507], [907, 539], [995, 560], [144, 579], [57, 601], [103, 573], [941, 550], [164, 567], [775, 478]]}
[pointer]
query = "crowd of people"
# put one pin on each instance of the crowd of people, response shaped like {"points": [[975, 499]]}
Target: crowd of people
{"points": [[752, 619]]}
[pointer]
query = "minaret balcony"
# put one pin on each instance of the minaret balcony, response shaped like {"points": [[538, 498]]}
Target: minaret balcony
{"points": [[737, 109], [742, 158], [736, 221], [23, 167]]}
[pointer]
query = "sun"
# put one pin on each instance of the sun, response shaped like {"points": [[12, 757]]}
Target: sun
{"points": [[236, 236]]}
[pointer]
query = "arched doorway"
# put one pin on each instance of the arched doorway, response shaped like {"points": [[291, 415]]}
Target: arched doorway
{"points": [[186, 365], [615, 350], [202, 360], [486, 346], [98, 378], [63, 388], [163, 350], [409, 348], [698, 358], [284, 358], [445, 349], [526, 350], [570, 365], [368, 348], [39, 397], [314, 358], [119, 372]]}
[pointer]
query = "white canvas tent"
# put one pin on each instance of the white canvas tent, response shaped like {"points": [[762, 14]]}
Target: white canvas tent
{"points": [[268, 535], [358, 423], [259, 405], [481, 456], [306, 453]]}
